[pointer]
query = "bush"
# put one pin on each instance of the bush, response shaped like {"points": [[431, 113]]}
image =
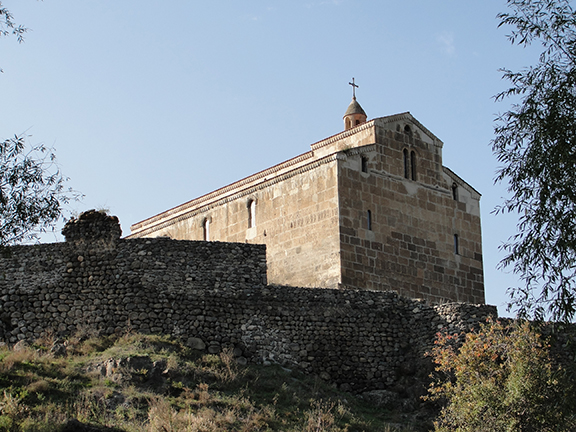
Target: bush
{"points": [[501, 378]]}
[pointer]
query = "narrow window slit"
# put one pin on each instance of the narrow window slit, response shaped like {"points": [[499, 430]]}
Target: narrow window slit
{"points": [[406, 164], [251, 213], [206, 229], [364, 164]]}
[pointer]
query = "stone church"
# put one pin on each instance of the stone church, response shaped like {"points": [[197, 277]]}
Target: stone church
{"points": [[371, 207]]}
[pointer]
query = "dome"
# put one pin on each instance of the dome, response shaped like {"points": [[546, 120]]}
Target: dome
{"points": [[354, 116], [354, 108]]}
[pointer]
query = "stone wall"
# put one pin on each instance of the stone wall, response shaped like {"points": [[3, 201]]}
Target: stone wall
{"points": [[296, 216], [214, 296], [409, 246], [311, 213]]}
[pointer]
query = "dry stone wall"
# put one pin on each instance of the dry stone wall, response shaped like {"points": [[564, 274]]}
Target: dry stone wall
{"points": [[214, 296]]}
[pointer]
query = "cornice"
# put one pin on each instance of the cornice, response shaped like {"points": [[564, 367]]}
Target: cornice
{"points": [[358, 150], [272, 173], [460, 181], [406, 116], [226, 189], [334, 138]]}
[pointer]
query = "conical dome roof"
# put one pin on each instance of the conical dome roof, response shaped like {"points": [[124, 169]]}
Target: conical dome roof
{"points": [[354, 108]]}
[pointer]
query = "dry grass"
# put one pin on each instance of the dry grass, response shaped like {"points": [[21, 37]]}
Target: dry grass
{"points": [[10, 358], [39, 386], [163, 418], [190, 392], [230, 370], [322, 417]]}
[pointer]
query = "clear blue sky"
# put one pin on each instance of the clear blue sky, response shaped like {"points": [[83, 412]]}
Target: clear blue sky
{"points": [[150, 104]]}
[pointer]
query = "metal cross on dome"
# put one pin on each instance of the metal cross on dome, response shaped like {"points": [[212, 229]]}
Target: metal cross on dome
{"points": [[354, 87]]}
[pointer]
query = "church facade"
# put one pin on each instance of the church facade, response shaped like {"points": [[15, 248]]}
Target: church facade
{"points": [[371, 207]]}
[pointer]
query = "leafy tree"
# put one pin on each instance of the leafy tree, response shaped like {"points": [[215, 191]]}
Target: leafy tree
{"points": [[8, 26], [32, 191], [536, 143], [501, 379]]}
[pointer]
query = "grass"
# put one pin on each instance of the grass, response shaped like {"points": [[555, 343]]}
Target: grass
{"points": [[139, 383]]}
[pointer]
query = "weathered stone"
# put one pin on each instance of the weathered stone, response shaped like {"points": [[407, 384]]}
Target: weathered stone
{"points": [[21, 345], [369, 208], [382, 398], [90, 226], [214, 292], [196, 343], [214, 349], [58, 350]]}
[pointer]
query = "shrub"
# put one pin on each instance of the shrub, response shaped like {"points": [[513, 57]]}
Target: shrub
{"points": [[501, 379]]}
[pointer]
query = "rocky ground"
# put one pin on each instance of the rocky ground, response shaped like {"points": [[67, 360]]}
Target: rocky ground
{"points": [[151, 383]]}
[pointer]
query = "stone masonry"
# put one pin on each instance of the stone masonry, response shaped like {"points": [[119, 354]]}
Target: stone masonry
{"points": [[214, 295], [369, 208]]}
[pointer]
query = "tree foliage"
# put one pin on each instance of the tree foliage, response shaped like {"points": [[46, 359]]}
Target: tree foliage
{"points": [[501, 379], [8, 26], [536, 143], [32, 191]]}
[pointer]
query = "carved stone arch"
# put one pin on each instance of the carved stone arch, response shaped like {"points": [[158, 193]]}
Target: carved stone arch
{"points": [[251, 198], [204, 219]]}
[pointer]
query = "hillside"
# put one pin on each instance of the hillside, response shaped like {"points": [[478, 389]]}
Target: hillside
{"points": [[142, 383]]}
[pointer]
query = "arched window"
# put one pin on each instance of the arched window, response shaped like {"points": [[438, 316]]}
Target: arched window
{"points": [[455, 191], [364, 164], [348, 124], [413, 165], [206, 229], [456, 245], [406, 164], [369, 220], [251, 213]]}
